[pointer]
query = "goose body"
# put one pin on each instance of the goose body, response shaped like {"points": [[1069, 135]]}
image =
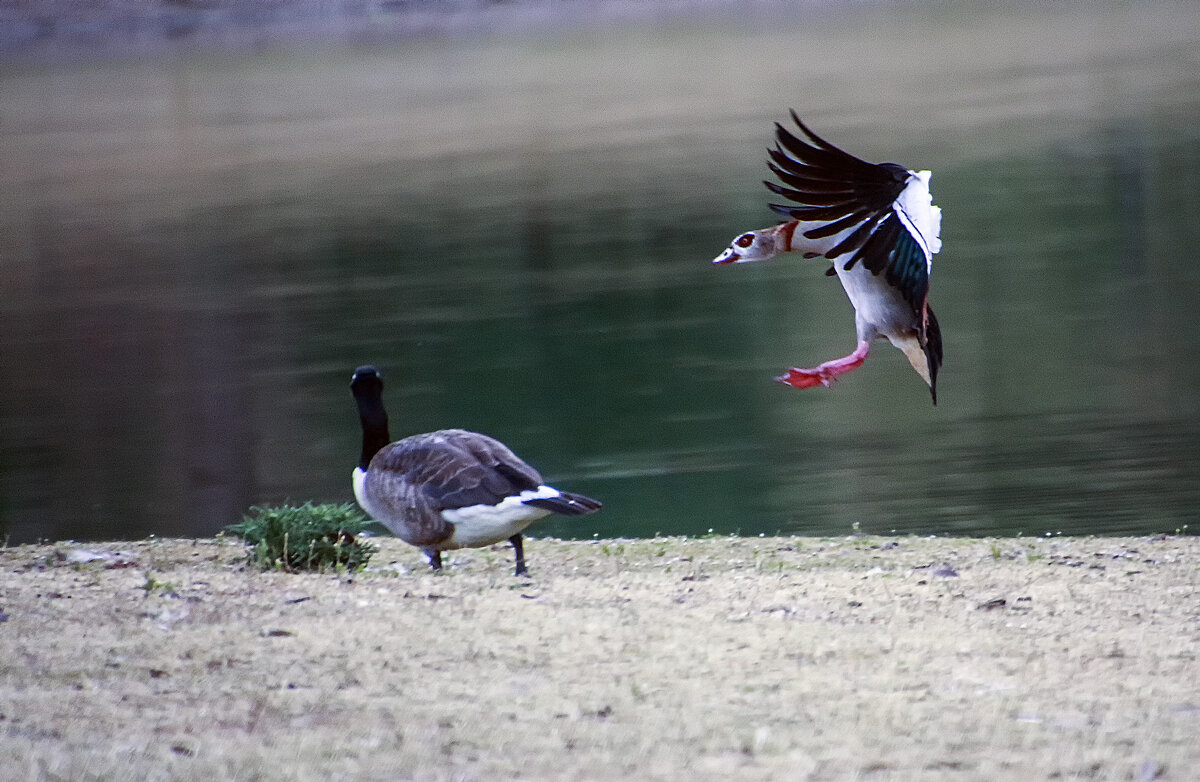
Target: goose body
{"points": [[877, 225], [451, 488]]}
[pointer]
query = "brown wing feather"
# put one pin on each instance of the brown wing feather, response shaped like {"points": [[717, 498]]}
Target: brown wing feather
{"points": [[417, 478]]}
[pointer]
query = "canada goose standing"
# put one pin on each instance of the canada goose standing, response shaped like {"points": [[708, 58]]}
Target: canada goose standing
{"points": [[878, 225], [451, 488]]}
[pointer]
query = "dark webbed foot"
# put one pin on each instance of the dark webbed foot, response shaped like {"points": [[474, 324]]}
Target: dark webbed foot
{"points": [[519, 549]]}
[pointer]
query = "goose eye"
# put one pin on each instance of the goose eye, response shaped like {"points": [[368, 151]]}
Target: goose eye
{"points": [[745, 240]]}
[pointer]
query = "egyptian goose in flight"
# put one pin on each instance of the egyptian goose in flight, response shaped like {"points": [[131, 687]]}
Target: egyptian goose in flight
{"points": [[877, 224], [451, 488]]}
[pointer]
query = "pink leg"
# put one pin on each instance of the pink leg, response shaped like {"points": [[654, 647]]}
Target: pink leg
{"points": [[828, 372]]}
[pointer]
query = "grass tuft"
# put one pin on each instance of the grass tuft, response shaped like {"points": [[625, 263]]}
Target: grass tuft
{"points": [[305, 538]]}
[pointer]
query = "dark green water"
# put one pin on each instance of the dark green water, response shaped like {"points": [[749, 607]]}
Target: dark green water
{"points": [[197, 249]]}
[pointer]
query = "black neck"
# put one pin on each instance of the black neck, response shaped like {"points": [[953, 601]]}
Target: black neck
{"points": [[374, 422]]}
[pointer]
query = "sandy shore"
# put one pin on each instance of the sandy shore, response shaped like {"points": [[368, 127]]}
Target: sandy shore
{"points": [[715, 658]]}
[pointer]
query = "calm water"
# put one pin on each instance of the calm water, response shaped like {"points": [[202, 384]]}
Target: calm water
{"points": [[197, 248]]}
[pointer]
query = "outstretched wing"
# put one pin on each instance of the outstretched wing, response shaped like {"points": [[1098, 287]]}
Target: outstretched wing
{"points": [[846, 194]]}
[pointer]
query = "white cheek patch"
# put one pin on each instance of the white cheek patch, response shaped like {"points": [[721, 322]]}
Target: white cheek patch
{"points": [[481, 525]]}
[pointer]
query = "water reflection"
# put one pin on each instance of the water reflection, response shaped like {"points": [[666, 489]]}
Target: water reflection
{"points": [[197, 253]]}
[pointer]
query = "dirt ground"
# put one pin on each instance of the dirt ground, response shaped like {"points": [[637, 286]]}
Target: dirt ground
{"points": [[673, 658]]}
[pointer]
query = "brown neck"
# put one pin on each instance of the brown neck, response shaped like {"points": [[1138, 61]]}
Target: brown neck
{"points": [[783, 235]]}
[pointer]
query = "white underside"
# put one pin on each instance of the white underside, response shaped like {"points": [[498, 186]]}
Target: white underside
{"points": [[878, 307], [476, 525], [481, 525], [880, 311]]}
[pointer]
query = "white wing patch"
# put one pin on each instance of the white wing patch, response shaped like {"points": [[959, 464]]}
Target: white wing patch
{"points": [[481, 525], [915, 208]]}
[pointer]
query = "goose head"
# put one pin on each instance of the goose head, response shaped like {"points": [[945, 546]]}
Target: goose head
{"points": [[751, 246]]}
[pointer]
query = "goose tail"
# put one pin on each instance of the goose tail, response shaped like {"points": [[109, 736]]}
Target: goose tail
{"points": [[567, 503]]}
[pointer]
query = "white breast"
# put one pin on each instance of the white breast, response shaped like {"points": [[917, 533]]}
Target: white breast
{"points": [[879, 309]]}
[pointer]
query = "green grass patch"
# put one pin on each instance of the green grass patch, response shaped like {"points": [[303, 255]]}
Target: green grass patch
{"points": [[305, 538]]}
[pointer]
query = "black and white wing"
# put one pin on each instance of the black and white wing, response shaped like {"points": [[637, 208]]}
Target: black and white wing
{"points": [[881, 213]]}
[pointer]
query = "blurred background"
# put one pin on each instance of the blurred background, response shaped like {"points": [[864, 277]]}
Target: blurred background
{"points": [[213, 212]]}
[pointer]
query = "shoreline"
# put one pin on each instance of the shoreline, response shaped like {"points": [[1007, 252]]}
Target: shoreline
{"points": [[702, 658]]}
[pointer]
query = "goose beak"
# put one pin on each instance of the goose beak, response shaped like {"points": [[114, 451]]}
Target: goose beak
{"points": [[729, 256]]}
